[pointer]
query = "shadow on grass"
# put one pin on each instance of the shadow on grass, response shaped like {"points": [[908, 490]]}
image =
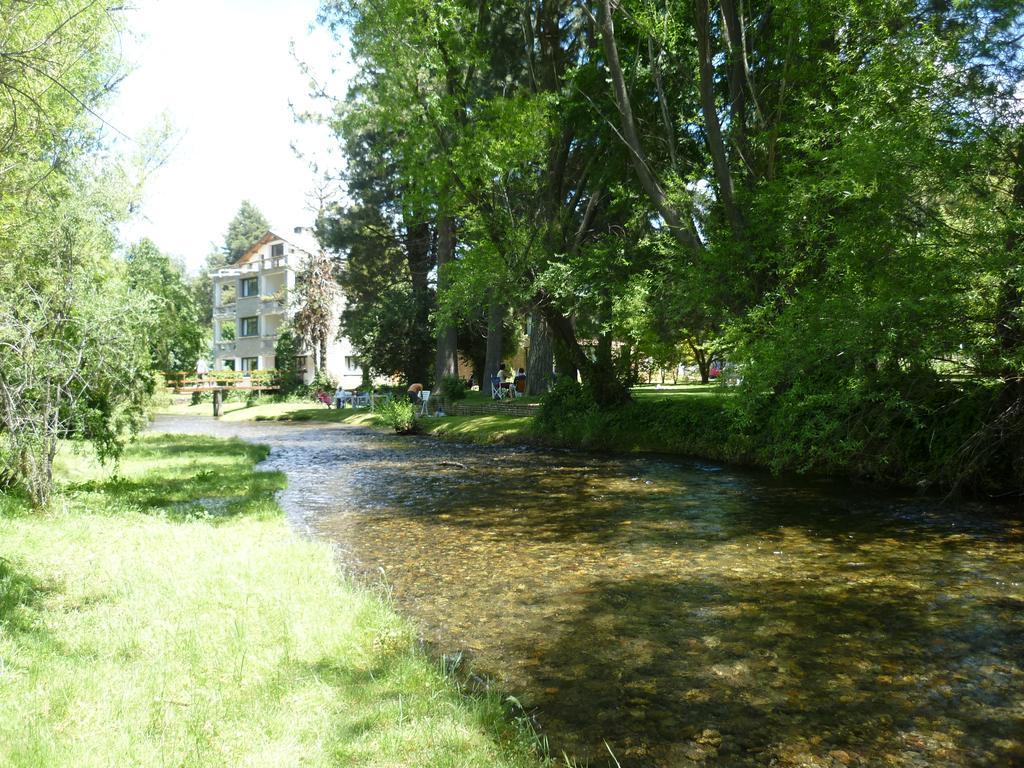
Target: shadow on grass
{"points": [[19, 595], [189, 477]]}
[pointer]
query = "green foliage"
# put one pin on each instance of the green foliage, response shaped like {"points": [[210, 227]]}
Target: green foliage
{"points": [[323, 382], [315, 294], [286, 352], [828, 196], [397, 413], [695, 426], [177, 338], [74, 336], [245, 229], [564, 405], [202, 287], [388, 298], [453, 388]]}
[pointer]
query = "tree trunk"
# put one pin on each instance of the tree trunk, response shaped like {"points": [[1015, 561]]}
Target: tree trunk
{"points": [[541, 357], [495, 334], [1009, 326], [447, 360], [700, 355], [570, 358], [712, 126], [675, 221], [605, 383], [419, 261]]}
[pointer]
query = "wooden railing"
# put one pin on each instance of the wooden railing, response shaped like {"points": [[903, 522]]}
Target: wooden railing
{"points": [[255, 381]]}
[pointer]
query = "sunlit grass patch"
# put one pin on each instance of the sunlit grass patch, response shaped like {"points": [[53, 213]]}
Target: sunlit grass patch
{"points": [[174, 475], [481, 429], [134, 635], [267, 411], [682, 391]]}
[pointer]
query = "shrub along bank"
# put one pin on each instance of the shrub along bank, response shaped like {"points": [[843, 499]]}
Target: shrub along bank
{"points": [[692, 425], [934, 439], [168, 616]]}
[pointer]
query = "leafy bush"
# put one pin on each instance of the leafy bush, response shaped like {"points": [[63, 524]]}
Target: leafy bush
{"points": [[453, 388], [703, 427], [286, 351], [323, 382], [399, 414], [563, 407]]}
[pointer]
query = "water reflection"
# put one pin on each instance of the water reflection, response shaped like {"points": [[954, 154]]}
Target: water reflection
{"points": [[686, 615]]}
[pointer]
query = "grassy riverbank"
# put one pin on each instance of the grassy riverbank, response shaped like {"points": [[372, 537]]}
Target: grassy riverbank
{"points": [[490, 428], [688, 420], [168, 616]]}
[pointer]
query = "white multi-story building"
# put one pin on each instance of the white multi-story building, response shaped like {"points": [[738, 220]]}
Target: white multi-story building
{"points": [[254, 297]]}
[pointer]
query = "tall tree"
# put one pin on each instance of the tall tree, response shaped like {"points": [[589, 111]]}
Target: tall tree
{"points": [[825, 193], [181, 339], [73, 353], [316, 291], [389, 246], [248, 226]]}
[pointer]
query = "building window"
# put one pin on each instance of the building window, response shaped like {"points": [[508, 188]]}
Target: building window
{"points": [[251, 286], [277, 249], [352, 363], [250, 326], [250, 363], [229, 364]]}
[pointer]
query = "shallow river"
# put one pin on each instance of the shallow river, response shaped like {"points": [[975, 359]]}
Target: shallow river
{"points": [[684, 613]]}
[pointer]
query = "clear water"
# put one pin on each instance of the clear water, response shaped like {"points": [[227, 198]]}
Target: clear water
{"points": [[686, 614]]}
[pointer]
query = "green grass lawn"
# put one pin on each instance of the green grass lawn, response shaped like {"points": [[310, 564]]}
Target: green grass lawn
{"points": [[681, 391], [497, 428], [473, 398], [169, 617]]}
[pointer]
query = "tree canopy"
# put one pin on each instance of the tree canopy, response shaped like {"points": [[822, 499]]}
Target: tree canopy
{"points": [[247, 227], [74, 361], [828, 197], [178, 337]]}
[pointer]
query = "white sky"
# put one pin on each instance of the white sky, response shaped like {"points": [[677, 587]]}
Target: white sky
{"points": [[222, 71]]}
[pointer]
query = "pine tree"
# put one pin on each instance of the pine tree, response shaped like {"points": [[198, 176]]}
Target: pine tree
{"points": [[248, 226]]}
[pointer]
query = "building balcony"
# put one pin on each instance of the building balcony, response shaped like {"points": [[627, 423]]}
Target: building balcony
{"points": [[256, 265], [222, 347], [273, 307]]}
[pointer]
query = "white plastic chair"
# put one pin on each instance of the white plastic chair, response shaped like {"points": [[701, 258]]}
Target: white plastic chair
{"points": [[497, 391], [424, 398]]}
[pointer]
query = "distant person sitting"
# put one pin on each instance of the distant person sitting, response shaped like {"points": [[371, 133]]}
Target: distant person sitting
{"points": [[499, 382], [414, 393], [340, 396], [520, 381]]}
